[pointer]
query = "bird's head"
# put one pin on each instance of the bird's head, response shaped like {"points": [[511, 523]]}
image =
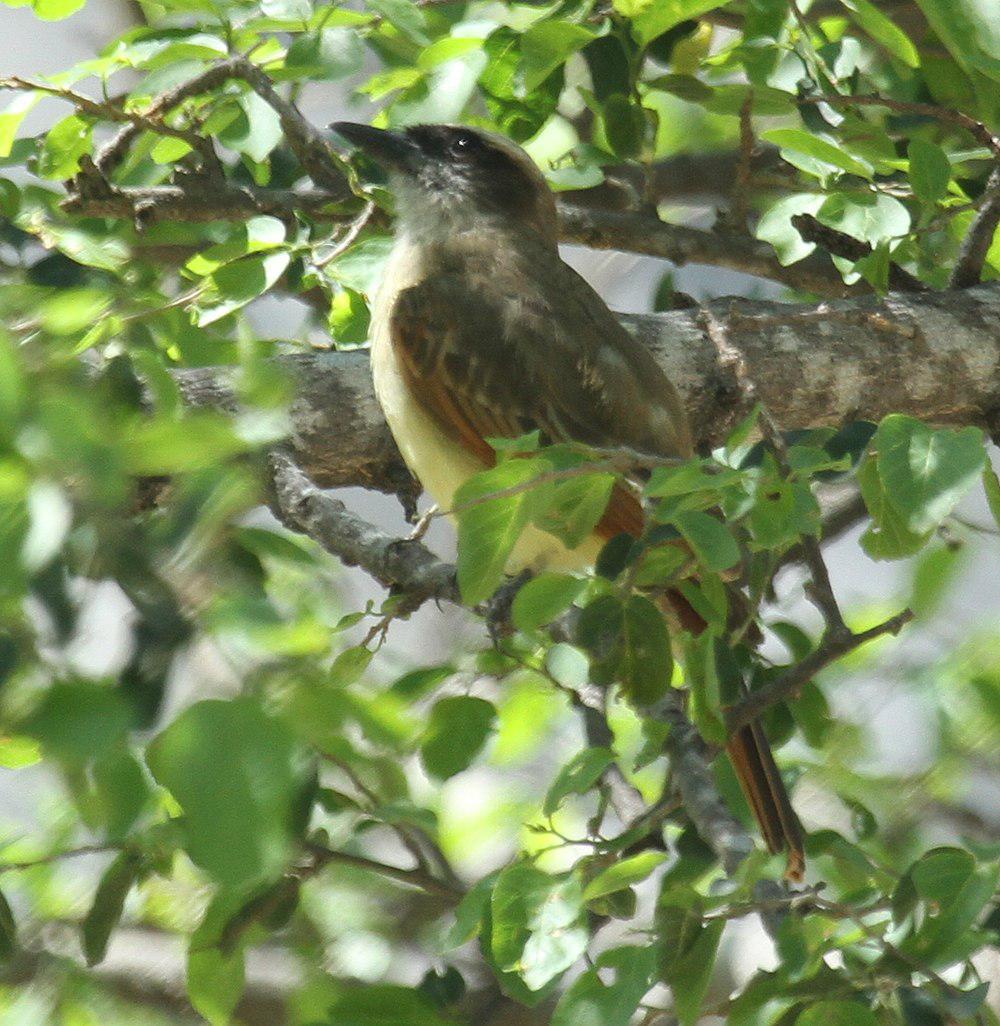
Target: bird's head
{"points": [[449, 178]]}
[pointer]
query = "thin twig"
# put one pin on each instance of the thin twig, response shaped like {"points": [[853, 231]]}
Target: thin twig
{"points": [[969, 266], [418, 877], [821, 590], [109, 112], [58, 856], [975, 128], [841, 244], [793, 680]]}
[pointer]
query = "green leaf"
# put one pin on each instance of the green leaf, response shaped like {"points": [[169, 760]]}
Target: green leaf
{"points": [[624, 874], [837, 1013], [884, 31], [237, 774], [688, 948], [8, 930], [713, 545], [109, 902], [326, 55], [256, 131], [78, 722], [991, 483], [930, 170], [539, 927], [873, 218], [651, 18], [215, 981], [545, 598], [646, 665], [488, 530], [969, 29], [798, 140], [66, 142], [459, 727], [940, 874], [56, 10], [945, 937], [624, 125], [775, 226], [590, 1001], [888, 537], [572, 509], [349, 318], [470, 911], [384, 1004], [405, 16], [10, 120], [925, 472], [578, 776], [237, 283], [547, 45]]}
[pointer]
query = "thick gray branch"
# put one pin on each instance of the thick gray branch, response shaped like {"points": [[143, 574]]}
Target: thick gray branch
{"points": [[932, 355]]}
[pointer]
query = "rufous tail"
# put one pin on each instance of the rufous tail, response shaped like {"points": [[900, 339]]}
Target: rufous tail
{"points": [[757, 772]]}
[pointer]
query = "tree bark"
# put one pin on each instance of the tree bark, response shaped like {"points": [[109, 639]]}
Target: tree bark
{"points": [[932, 355]]}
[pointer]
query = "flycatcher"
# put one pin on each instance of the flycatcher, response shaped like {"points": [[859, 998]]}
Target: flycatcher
{"points": [[479, 330]]}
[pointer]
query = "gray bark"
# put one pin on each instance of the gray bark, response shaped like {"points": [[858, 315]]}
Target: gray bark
{"points": [[932, 355]]}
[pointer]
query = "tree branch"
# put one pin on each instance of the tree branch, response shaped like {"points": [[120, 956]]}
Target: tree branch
{"points": [[636, 232], [932, 355], [976, 244], [790, 683]]}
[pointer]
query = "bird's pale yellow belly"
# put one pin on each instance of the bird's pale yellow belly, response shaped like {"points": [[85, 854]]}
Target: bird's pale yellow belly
{"points": [[439, 462]]}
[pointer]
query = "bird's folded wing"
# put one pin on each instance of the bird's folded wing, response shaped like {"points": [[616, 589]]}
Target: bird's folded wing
{"points": [[493, 359]]}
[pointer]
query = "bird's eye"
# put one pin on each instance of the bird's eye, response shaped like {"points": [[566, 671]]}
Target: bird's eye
{"points": [[463, 144]]}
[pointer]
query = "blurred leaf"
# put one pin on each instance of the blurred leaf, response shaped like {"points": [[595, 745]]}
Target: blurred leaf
{"points": [[991, 484], [624, 125], [930, 170], [327, 55], [687, 953], [547, 45], [798, 140], [578, 776], [713, 545], [589, 1001], [651, 18], [837, 1013], [458, 728], [543, 599], [13, 114], [539, 926], [237, 775], [646, 665], [8, 930], [470, 911], [624, 874], [885, 31], [76, 722], [108, 904], [969, 29]]}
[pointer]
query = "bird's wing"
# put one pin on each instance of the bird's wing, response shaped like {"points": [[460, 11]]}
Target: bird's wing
{"points": [[493, 361], [498, 353]]}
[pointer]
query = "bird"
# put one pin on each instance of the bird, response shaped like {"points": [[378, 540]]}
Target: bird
{"points": [[479, 330]]}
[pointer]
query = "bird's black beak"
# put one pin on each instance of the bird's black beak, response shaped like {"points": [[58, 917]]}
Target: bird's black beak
{"points": [[393, 150]]}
